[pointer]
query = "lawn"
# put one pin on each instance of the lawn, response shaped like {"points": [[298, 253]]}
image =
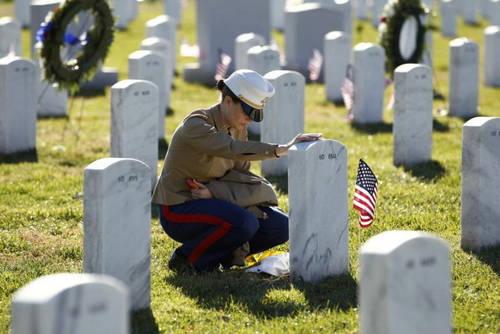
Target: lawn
{"points": [[41, 208]]}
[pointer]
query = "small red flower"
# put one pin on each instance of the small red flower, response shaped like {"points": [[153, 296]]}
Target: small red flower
{"points": [[383, 19]]}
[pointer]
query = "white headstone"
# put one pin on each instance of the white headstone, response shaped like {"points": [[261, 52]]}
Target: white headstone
{"points": [[377, 9], [17, 105], [494, 12], [263, 59], [337, 58], [483, 8], [412, 128], [10, 37], [278, 14], [22, 12], [123, 11], [468, 11], [50, 101], [242, 44], [150, 66], [405, 284], [283, 115], [480, 183], [173, 8], [319, 221], [368, 83], [464, 77], [117, 224], [218, 23], [302, 37], [164, 27], [163, 47], [71, 303], [427, 3], [448, 13], [491, 56], [134, 122]]}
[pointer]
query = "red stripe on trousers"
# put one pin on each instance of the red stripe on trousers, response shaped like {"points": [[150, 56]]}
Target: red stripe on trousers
{"points": [[224, 227]]}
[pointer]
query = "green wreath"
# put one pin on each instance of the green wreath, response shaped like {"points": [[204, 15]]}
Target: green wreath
{"points": [[395, 14], [52, 35]]}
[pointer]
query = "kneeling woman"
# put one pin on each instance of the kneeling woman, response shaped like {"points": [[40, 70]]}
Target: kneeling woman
{"points": [[209, 200]]}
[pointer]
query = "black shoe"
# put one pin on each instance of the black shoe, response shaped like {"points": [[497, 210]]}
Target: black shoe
{"points": [[181, 264]]}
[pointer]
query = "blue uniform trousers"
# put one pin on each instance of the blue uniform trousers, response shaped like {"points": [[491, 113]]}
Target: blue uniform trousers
{"points": [[211, 229]]}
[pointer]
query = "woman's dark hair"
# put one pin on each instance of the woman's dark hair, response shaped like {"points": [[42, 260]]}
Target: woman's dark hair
{"points": [[225, 91]]}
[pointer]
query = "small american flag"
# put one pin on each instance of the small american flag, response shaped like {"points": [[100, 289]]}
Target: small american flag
{"points": [[222, 65], [347, 88], [314, 65], [365, 194]]}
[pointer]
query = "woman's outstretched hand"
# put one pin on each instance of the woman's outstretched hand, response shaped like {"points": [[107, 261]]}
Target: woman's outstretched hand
{"points": [[301, 137]]}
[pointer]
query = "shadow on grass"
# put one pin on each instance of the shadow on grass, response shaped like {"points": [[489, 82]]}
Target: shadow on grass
{"points": [[14, 158], [169, 111], [251, 290], [427, 171], [280, 182], [490, 256], [88, 92], [162, 148], [439, 127], [144, 322], [373, 128]]}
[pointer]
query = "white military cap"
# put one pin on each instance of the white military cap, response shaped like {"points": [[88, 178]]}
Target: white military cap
{"points": [[250, 87]]}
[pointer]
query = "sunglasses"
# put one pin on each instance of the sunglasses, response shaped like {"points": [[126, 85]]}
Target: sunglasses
{"points": [[256, 115]]}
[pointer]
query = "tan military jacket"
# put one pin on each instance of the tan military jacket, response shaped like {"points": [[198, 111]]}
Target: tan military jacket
{"points": [[204, 149]]}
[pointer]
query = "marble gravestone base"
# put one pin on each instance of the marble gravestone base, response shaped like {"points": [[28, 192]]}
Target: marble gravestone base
{"points": [[491, 54], [17, 105], [302, 37], [464, 78], [284, 115], [405, 284], [337, 58], [150, 66], [124, 12], [448, 12], [71, 303], [117, 224], [361, 9], [483, 7], [22, 12], [242, 44], [10, 37], [480, 217], [135, 121], [368, 83], [319, 221], [164, 27], [412, 128], [217, 28]]}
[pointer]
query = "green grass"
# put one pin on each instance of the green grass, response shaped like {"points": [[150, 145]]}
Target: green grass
{"points": [[41, 210]]}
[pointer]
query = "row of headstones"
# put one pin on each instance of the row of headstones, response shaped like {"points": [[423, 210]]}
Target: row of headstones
{"points": [[24, 96], [218, 27], [468, 10], [405, 276], [124, 11], [405, 287]]}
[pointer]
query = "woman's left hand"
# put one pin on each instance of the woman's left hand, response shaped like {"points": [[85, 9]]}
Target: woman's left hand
{"points": [[202, 192]]}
